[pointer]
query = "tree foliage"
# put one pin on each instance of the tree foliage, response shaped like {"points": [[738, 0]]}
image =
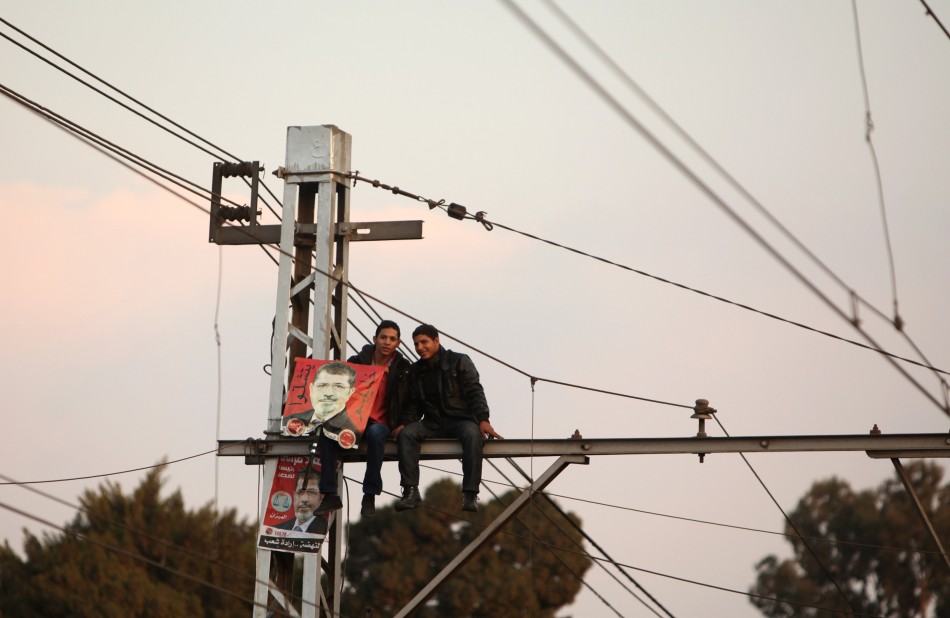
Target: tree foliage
{"points": [[878, 580], [89, 570], [393, 556]]}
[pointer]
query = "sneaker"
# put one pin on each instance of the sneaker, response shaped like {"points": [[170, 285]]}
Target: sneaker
{"points": [[470, 501], [330, 502], [410, 499], [368, 509]]}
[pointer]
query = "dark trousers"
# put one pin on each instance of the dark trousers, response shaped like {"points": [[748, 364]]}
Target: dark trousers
{"points": [[410, 445], [375, 440]]}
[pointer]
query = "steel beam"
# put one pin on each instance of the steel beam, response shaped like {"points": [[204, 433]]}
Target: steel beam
{"points": [[920, 509], [520, 502], [381, 230], [876, 446]]}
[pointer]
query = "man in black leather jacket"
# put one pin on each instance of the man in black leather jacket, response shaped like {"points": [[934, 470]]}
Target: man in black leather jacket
{"points": [[446, 400]]}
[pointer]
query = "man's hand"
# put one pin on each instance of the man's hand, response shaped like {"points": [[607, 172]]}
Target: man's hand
{"points": [[395, 432], [488, 431]]}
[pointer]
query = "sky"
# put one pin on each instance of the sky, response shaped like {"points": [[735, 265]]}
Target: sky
{"points": [[112, 292]]}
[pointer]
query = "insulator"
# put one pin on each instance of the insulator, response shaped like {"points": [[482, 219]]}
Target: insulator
{"points": [[456, 211], [238, 168], [234, 213]]}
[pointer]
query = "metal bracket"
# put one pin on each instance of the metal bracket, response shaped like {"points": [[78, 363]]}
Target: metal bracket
{"points": [[222, 232], [380, 230]]}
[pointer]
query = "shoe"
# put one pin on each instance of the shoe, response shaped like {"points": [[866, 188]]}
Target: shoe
{"points": [[410, 499], [330, 502], [470, 501], [368, 509]]}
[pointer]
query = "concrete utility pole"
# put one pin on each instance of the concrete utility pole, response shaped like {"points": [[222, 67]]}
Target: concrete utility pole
{"points": [[314, 236], [316, 198]]}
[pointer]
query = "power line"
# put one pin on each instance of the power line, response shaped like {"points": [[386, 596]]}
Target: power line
{"points": [[91, 136], [85, 133], [96, 142], [107, 95], [678, 164], [641, 569], [657, 109], [742, 528], [129, 554], [929, 12], [725, 589], [682, 286], [65, 124], [117, 152], [896, 321], [704, 522], [96, 476], [791, 524], [131, 98], [869, 128], [581, 531], [533, 536], [165, 542]]}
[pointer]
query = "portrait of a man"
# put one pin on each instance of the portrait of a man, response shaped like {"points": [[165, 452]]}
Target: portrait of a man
{"points": [[332, 386]]}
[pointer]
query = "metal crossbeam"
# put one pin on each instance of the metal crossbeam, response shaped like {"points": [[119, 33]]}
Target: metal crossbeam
{"points": [[876, 446], [466, 554]]}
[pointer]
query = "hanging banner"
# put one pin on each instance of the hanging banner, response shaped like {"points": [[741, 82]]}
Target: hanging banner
{"points": [[332, 396], [289, 522]]}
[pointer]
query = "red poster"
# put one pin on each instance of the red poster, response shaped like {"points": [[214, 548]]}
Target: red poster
{"points": [[332, 396], [289, 523]]}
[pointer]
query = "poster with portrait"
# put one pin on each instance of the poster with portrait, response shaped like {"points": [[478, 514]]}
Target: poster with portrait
{"points": [[333, 397], [289, 522]]}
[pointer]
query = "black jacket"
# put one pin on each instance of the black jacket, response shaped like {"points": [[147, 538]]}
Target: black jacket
{"points": [[397, 382], [460, 390]]}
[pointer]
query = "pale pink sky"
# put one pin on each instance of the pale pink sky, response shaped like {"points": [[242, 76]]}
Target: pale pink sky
{"points": [[109, 284]]}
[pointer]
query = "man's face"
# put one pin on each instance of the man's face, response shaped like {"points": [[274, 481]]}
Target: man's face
{"points": [[386, 341], [426, 347], [329, 393], [306, 499]]}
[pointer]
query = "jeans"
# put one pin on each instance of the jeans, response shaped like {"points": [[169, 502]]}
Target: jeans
{"points": [[375, 440], [410, 445]]}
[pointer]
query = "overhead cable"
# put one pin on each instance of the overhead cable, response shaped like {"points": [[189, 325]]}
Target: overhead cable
{"points": [[96, 142], [85, 133], [551, 494], [929, 12], [129, 97], [683, 286], [130, 554], [96, 476], [107, 95], [869, 129], [791, 524], [151, 537], [648, 571], [117, 153], [581, 531], [702, 186], [742, 528], [894, 320], [587, 536], [532, 536]]}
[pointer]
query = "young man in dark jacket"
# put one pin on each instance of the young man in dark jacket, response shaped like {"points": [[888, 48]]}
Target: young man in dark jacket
{"points": [[446, 400], [386, 410]]}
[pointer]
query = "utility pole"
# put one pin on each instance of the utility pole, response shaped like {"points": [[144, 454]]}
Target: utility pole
{"points": [[314, 236]]}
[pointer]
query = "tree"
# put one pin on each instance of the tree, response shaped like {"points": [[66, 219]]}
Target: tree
{"points": [[92, 570], [889, 570], [392, 556]]}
